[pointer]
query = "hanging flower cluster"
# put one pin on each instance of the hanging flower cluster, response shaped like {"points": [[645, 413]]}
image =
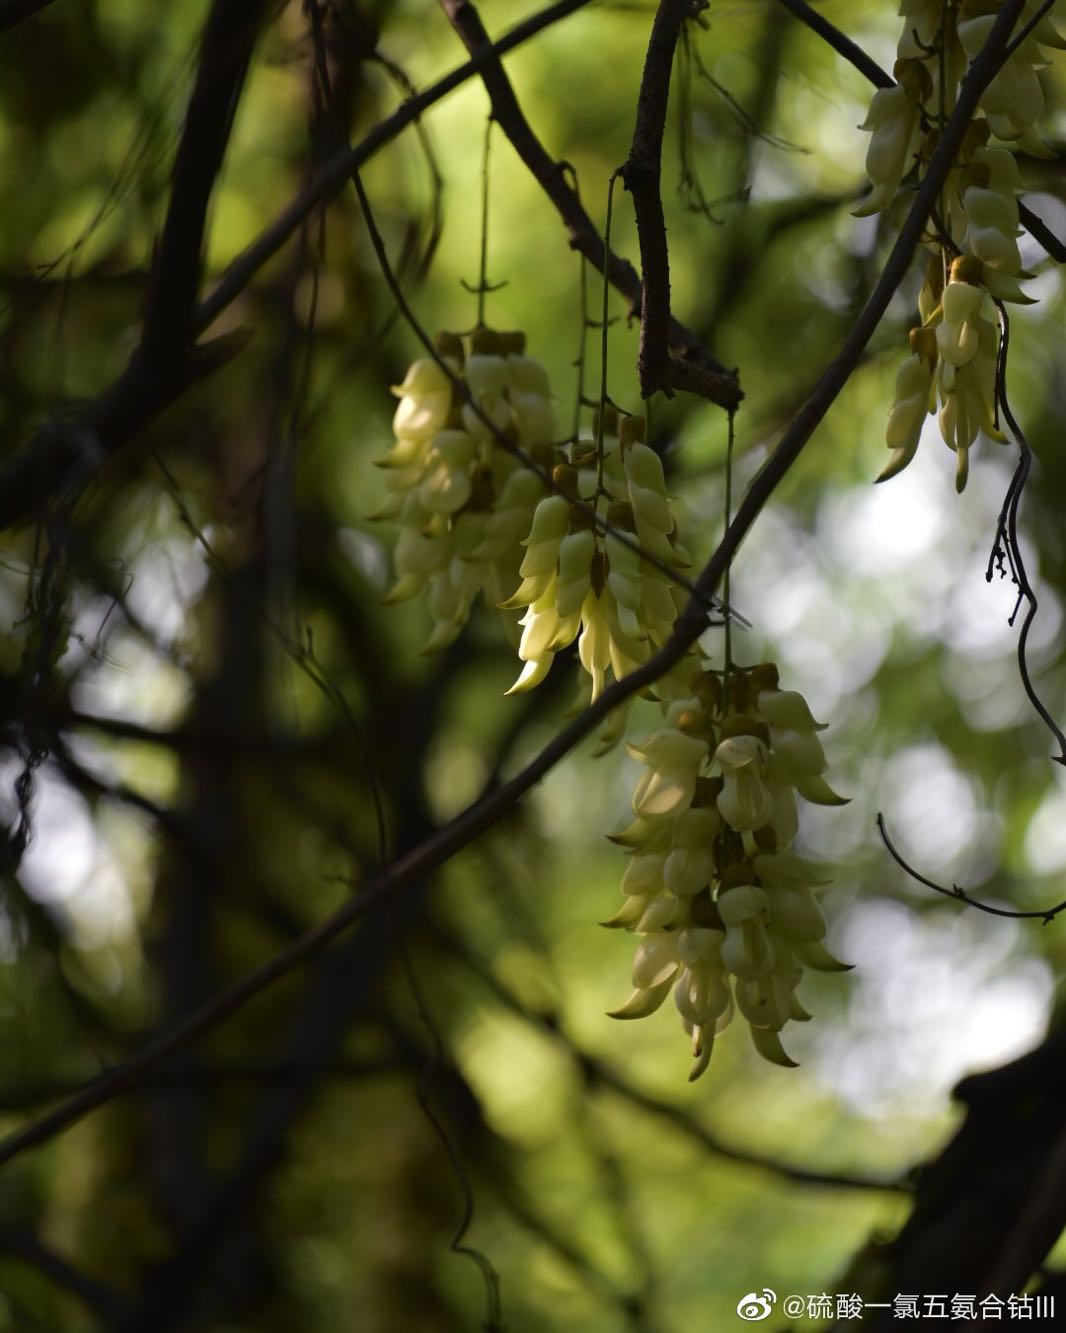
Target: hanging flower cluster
{"points": [[727, 913], [954, 351], [580, 583], [462, 501]]}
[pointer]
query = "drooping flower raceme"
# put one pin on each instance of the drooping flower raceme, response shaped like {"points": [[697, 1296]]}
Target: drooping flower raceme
{"points": [[463, 502], [727, 914], [578, 582], [975, 229]]}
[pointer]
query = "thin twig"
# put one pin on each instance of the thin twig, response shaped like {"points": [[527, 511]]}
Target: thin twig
{"points": [[841, 44], [458, 1243], [398, 75], [23, 1244], [707, 1139], [1008, 531], [1045, 915], [730, 442], [1026, 28], [19, 1096], [605, 329], [568, 1251], [803, 425]]}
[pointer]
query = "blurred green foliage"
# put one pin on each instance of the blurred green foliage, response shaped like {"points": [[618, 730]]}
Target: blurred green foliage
{"points": [[205, 801]]}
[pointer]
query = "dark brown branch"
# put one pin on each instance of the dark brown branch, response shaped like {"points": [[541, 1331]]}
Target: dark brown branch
{"points": [[13, 12], [840, 43], [1046, 915], [855, 55], [191, 736], [1031, 23], [17, 1097], [22, 1244], [1038, 1224], [161, 369], [981, 71], [491, 807], [642, 176], [716, 382], [708, 1140], [1042, 233], [563, 1248], [69, 449], [990, 1207], [229, 37], [1006, 532]]}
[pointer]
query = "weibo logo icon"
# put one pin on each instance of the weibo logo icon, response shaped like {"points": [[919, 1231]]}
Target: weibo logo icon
{"points": [[753, 1307]]}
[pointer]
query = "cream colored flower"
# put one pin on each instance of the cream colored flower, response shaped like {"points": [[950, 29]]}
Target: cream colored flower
{"points": [[894, 118], [425, 401], [744, 802], [689, 866], [672, 764], [748, 950], [701, 990]]}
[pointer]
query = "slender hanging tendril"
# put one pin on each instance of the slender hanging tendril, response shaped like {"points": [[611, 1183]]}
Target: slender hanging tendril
{"points": [[729, 566], [483, 266], [483, 286], [603, 343]]}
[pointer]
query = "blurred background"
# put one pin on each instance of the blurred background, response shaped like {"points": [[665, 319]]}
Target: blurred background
{"points": [[223, 679]]}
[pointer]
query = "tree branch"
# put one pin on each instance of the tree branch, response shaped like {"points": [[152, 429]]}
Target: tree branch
{"points": [[23, 1244], [642, 176], [229, 37], [842, 44], [69, 449], [1046, 915], [991, 1205], [19, 1096], [503, 440], [1007, 539], [13, 12]]}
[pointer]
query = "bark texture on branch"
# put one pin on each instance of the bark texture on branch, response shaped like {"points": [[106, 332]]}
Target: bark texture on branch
{"points": [[992, 1205]]}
